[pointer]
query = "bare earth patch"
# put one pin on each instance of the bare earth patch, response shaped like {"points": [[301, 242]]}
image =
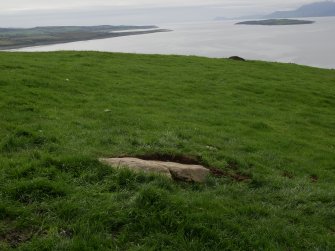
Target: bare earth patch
{"points": [[15, 237]]}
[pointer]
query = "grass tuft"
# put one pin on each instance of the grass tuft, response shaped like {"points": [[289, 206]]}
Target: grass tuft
{"points": [[24, 140], [36, 190]]}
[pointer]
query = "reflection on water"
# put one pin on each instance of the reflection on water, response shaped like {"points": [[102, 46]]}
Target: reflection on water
{"points": [[311, 44]]}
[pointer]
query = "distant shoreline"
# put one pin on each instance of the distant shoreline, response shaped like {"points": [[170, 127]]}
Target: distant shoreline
{"points": [[273, 22], [72, 38]]}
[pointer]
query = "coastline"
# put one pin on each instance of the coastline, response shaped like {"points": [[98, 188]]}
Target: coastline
{"points": [[100, 36]]}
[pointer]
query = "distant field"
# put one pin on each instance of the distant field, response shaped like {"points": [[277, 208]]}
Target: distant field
{"points": [[13, 38], [272, 124]]}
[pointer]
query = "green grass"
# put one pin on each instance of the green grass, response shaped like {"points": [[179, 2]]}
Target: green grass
{"points": [[60, 112]]}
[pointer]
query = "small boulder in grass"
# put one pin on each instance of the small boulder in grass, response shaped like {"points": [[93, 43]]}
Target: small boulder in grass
{"points": [[237, 58], [172, 170]]}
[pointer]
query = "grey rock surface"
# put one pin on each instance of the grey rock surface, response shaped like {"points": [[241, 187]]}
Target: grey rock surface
{"points": [[176, 171]]}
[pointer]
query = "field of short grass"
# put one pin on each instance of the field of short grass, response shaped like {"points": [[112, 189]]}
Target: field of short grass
{"points": [[273, 124]]}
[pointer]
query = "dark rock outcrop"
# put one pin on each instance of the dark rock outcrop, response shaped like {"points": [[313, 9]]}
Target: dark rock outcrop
{"points": [[237, 58]]}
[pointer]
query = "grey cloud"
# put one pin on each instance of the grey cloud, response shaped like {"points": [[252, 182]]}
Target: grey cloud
{"points": [[22, 13]]}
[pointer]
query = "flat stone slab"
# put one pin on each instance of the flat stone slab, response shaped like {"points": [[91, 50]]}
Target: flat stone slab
{"points": [[172, 170]]}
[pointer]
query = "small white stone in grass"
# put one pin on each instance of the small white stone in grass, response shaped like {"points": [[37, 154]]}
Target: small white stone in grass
{"points": [[212, 148], [107, 110], [67, 79]]}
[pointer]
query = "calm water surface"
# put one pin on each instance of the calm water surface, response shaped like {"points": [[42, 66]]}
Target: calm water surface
{"points": [[312, 44]]}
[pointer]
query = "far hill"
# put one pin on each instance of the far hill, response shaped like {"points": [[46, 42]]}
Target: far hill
{"points": [[320, 9], [277, 22], [13, 38]]}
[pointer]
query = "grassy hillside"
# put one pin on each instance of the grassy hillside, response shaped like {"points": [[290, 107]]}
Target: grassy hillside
{"points": [[269, 127]]}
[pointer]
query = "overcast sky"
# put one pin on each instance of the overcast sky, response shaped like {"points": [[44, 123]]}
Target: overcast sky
{"points": [[93, 12]]}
